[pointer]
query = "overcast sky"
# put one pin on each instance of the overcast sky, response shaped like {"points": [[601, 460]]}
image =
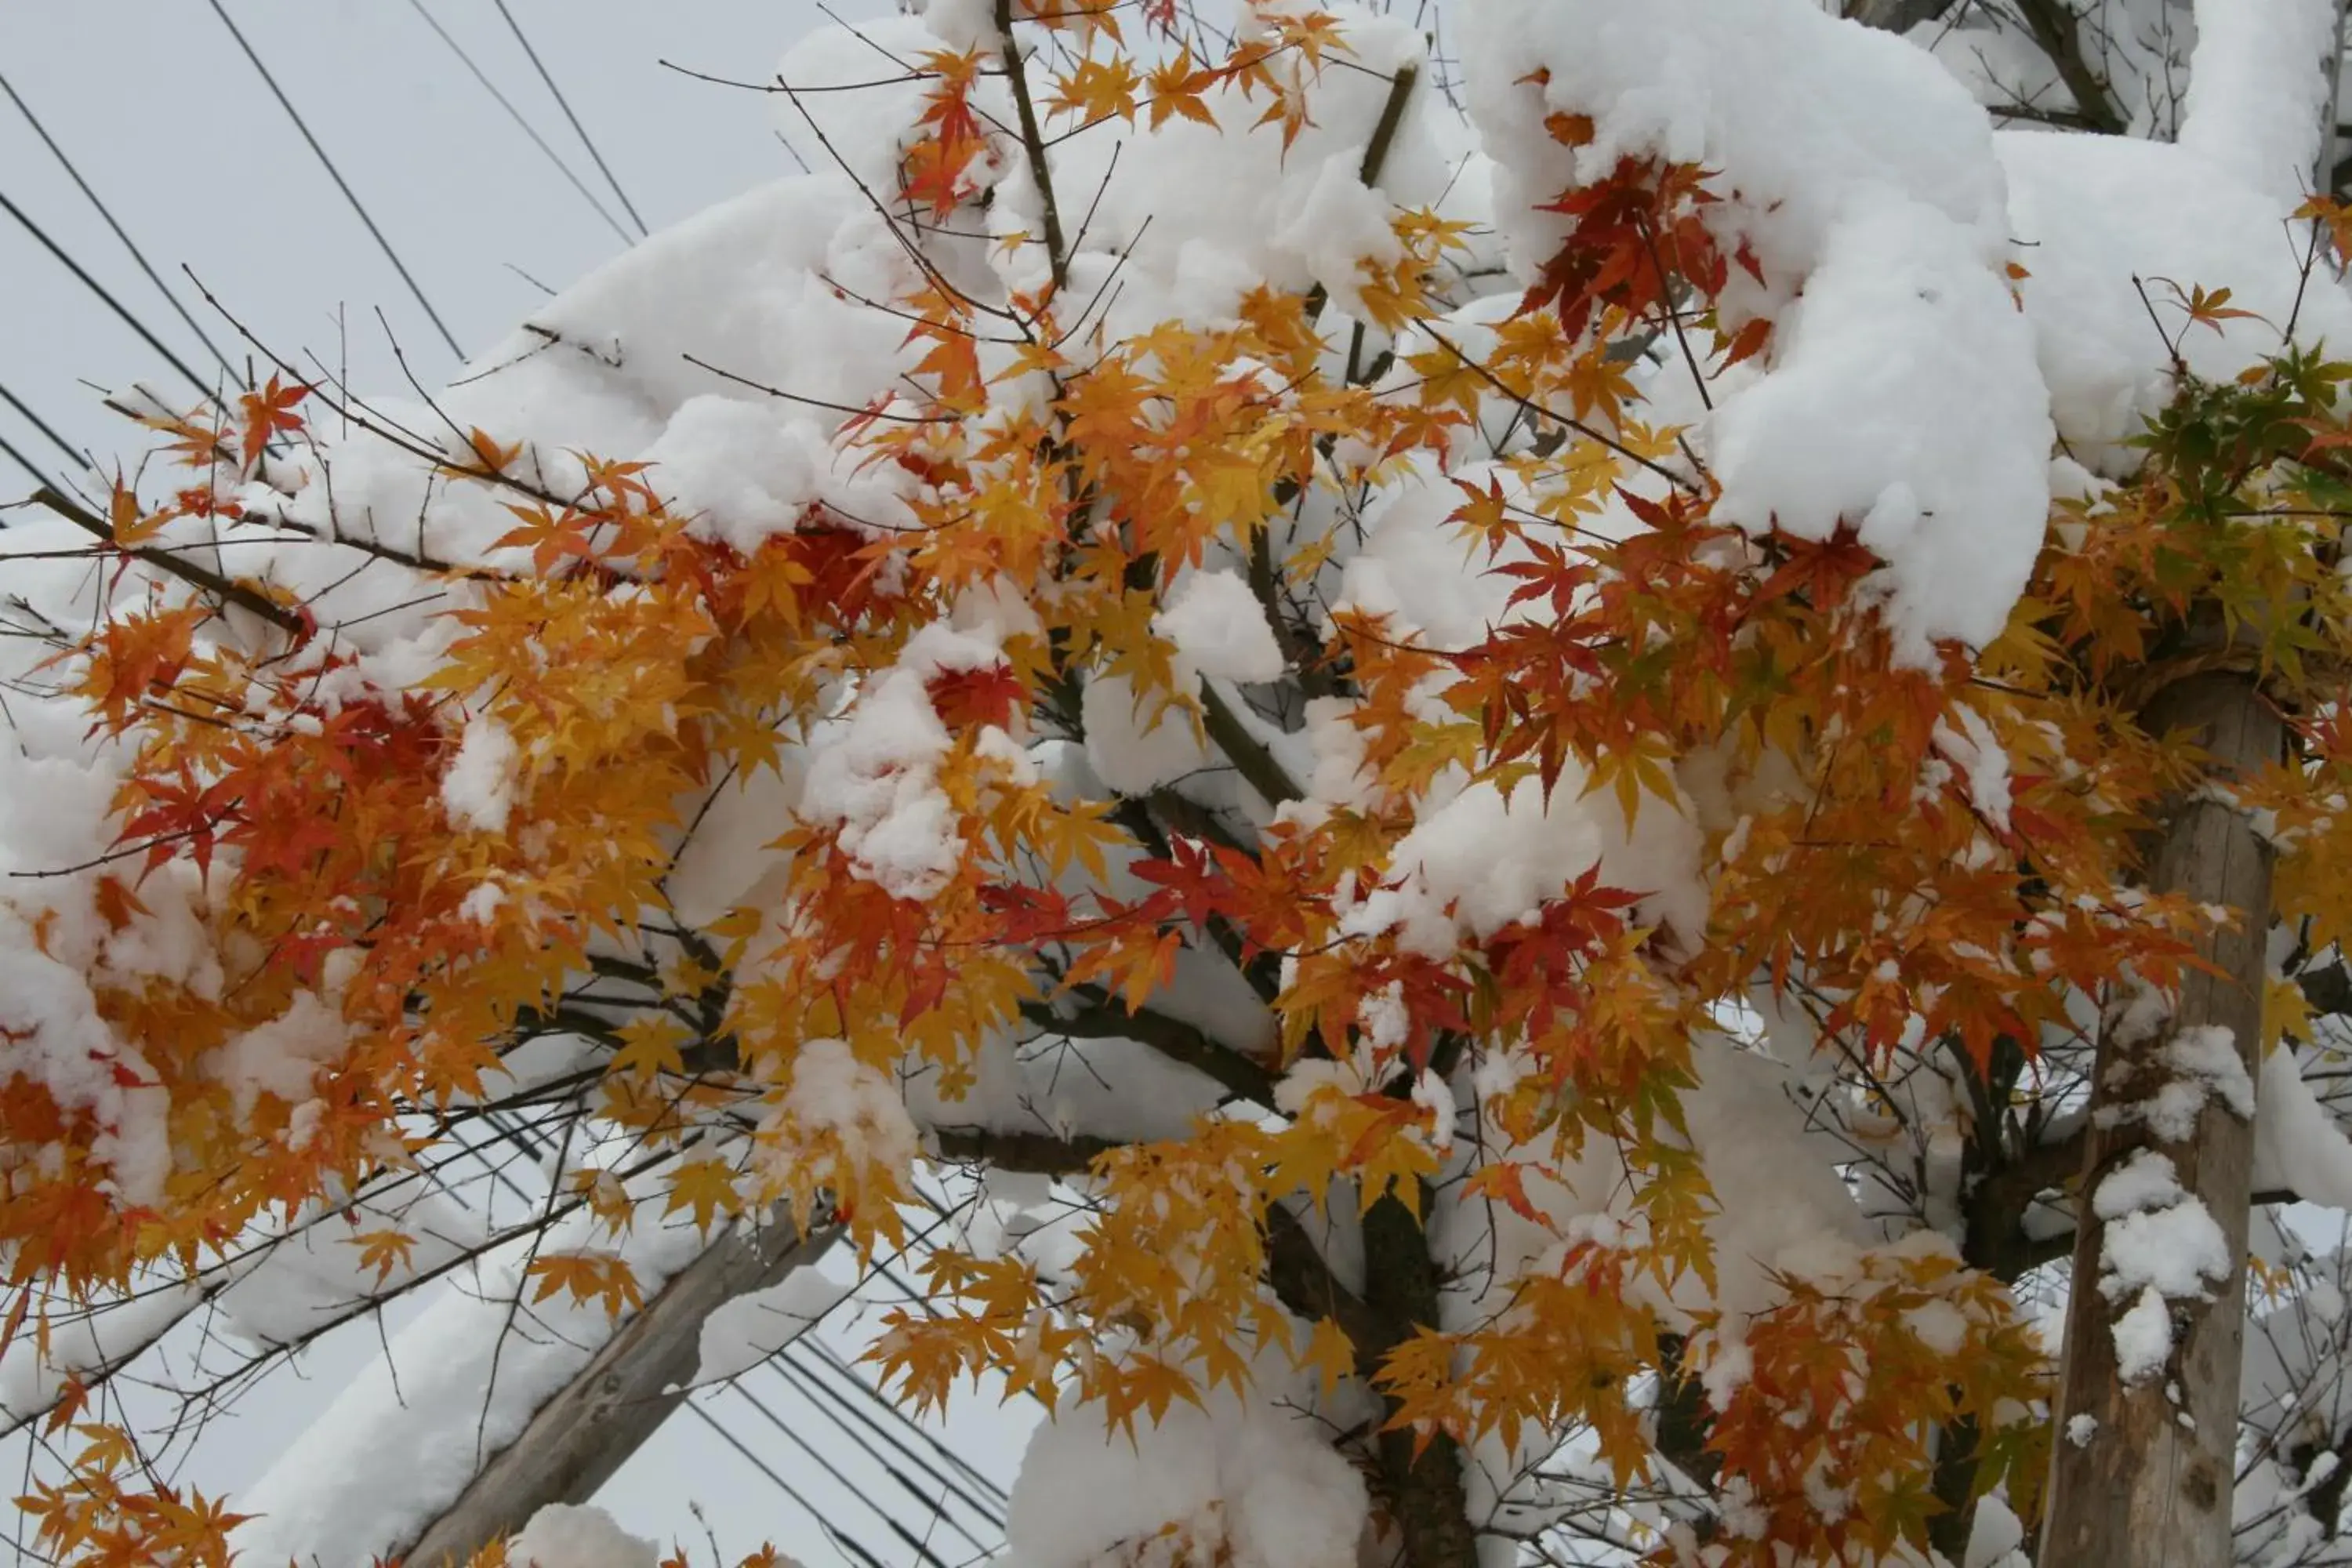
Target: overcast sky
{"points": [[176, 131], [171, 125]]}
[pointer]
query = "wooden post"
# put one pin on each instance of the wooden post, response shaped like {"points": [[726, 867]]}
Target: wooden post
{"points": [[590, 1426], [2141, 1473]]}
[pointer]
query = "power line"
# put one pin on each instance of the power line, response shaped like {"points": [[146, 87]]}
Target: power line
{"points": [[43, 425], [515, 115], [565, 104], [839, 1537], [9, 449], [890, 1523], [336, 174], [82, 275], [799, 1365], [128, 243], [823, 1357], [824, 1402]]}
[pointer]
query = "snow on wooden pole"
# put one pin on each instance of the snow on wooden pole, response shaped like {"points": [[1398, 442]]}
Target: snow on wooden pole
{"points": [[2146, 1418], [589, 1428]]}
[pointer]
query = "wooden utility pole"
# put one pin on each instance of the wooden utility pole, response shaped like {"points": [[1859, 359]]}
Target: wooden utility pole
{"points": [[2141, 1472], [589, 1428]]}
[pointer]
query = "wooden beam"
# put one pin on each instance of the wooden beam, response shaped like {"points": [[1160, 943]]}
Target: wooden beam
{"points": [[2141, 1472], [589, 1428]]}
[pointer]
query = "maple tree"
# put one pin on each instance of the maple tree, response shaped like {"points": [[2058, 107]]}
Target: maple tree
{"points": [[1532, 755]]}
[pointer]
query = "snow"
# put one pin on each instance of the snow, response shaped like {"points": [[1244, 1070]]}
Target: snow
{"points": [[1432, 1094], [833, 1090], [2205, 1064], [1977, 752], [563, 1536], [1414, 567], [1241, 1475], [2143, 1338], [478, 790], [85, 1342], [875, 776], [2160, 1245], [2082, 1429], [458, 1383], [1136, 742], [1340, 224], [746, 1330], [292, 1279], [1218, 628], [741, 466], [52, 1036], [1998, 1535], [2177, 1249], [2298, 1144], [1482, 860], [282, 1056], [859, 90], [2147, 1180], [2258, 91], [1901, 396], [2093, 214]]}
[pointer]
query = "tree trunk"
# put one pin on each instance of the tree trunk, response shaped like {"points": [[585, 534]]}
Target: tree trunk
{"points": [[1422, 1484], [590, 1426], [2148, 1485], [1897, 15]]}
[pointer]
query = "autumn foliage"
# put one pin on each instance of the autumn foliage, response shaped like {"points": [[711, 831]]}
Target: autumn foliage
{"points": [[608, 667]]}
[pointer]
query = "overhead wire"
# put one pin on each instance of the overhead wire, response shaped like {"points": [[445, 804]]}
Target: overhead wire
{"points": [[890, 1523], [825, 1360], [336, 174], [120, 233], [106, 296], [565, 104], [814, 1371], [48, 430], [838, 1537], [830, 1359], [515, 114], [16, 454]]}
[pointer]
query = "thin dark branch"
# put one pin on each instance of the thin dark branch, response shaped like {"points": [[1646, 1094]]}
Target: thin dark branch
{"points": [[239, 593]]}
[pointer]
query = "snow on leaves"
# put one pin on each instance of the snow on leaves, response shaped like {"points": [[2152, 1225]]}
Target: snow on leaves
{"points": [[1314, 681]]}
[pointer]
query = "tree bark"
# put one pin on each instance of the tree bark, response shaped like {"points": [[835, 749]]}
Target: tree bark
{"points": [[1897, 15], [1422, 1483], [2149, 1485], [590, 1426]]}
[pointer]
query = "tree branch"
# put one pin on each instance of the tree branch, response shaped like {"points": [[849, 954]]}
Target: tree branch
{"points": [[579, 1438], [2057, 30], [1171, 1037], [188, 572], [1031, 1153], [1247, 751], [1895, 15], [1034, 141]]}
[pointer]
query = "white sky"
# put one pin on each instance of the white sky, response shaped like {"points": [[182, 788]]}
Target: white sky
{"points": [[177, 133], [172, 127]]}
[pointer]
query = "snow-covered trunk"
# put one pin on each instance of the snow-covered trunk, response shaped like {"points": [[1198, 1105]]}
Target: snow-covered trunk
{"points": [[2146, 1418]]}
